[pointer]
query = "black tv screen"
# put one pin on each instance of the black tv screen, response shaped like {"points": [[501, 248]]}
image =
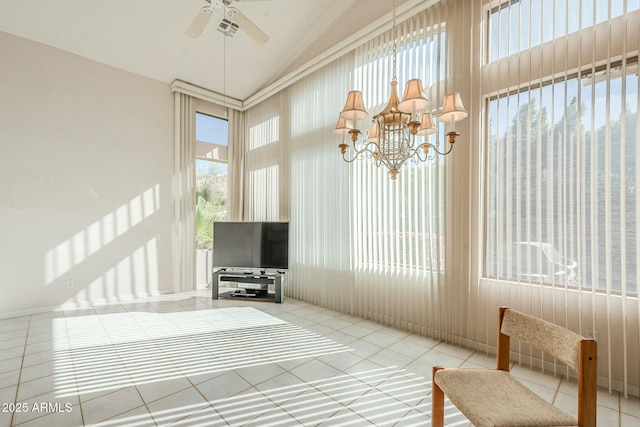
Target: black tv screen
{"points": [[254, 245]]}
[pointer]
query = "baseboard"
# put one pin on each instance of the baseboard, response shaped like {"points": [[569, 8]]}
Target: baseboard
{"points": [[98, 302], [20, 313]]}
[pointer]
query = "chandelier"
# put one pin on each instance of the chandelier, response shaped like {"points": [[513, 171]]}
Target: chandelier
{"points": [[393, 136]]}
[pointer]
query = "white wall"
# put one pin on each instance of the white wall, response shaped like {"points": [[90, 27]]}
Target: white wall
{"points": [[86, 160]]}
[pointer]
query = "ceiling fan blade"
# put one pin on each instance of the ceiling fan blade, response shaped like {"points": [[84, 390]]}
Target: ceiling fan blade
{"points": [[199, 22], [248, 26]]}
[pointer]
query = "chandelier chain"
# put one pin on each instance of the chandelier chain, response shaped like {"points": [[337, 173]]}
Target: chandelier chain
{"points": [[395, 41]]}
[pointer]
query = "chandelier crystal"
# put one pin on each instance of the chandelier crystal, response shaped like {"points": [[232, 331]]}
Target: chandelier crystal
{"points": [[392, 138]]}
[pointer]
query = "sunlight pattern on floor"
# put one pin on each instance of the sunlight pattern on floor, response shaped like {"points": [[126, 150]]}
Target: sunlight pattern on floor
{"points": [[108, 352], [378, 396], [187, 360]]}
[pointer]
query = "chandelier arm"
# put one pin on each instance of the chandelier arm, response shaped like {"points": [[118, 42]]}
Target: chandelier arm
{"points": [[344, 157], [435, 148], [366, 150], [374, 144], [416, 153]]}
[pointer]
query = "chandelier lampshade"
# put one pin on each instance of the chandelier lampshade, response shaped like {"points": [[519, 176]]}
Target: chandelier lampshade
{"points": [[343, 126], [453, 109], [374, 132], [354, 107], [427, 127], [414, 99]]}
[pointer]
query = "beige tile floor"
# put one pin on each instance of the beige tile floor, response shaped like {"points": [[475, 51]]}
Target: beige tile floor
{"points": [[185, 360]]}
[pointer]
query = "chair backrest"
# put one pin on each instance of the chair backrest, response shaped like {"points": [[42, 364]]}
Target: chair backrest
{"points": [[555, 340], [576, 351]]}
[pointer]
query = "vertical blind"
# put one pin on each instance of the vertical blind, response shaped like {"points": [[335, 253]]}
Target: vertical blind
{"points": [[398, 226], [264, 161], [560, 86], [184, 176], [361, 243], [320, 191]]}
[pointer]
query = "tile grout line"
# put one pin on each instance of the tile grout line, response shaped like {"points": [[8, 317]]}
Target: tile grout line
{"points": [[24, 352], [73, 366]]}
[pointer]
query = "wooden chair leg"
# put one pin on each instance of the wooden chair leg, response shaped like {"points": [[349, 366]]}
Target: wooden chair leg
{"points": [[437, 401], [587, 383]]}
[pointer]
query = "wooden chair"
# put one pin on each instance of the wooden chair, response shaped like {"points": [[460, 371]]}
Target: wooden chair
{"points": [[492, 397]]}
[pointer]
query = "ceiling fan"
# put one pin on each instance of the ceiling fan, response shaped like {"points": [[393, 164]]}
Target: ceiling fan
{"points": [[232, 20]]}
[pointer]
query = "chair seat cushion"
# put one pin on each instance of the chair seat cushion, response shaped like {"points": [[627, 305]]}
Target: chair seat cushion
{"points": [[490, 397]]}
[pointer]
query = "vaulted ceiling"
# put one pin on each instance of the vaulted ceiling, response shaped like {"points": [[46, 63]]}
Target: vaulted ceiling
{"points": [[146, 37]]}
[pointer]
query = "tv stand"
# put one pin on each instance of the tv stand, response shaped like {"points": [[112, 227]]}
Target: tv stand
{"points": [[256, 284]]}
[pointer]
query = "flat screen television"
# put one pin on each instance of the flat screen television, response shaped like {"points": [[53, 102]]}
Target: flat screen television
{"points": [[251, 245]]}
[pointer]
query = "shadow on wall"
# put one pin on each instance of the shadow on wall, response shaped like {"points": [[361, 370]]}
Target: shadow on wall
{"points": [[124, 254], [115, 257]]}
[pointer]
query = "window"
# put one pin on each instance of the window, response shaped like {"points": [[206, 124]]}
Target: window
{"points": [[519, 25], [212, 135], [561, 137]]}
